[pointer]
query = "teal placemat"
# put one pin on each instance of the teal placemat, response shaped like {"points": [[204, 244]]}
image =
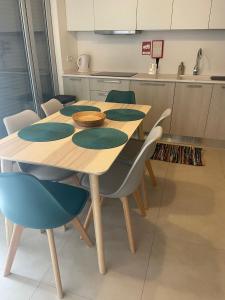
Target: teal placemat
{"points": [[124, 114], [46, 132], [70, 110], [100, 138]]}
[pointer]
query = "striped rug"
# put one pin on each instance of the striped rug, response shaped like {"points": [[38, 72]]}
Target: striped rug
{"points": [[188, 155]]}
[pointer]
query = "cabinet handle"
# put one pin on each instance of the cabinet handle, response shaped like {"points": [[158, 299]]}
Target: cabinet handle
{"points": [[110, 81], [75, 79], [153, 84], [197, 86]]}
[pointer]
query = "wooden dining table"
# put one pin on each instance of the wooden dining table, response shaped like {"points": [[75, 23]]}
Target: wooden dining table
{"points": [[66, 155]]}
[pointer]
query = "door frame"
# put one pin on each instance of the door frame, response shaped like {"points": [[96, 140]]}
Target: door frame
{"points": [[30, 47]]}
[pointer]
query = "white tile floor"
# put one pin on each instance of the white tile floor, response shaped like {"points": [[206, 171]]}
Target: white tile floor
{"points": [[181, 246]]}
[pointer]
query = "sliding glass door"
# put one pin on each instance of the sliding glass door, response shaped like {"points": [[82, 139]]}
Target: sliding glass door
{"points": [[27, 77], [15, 85]]}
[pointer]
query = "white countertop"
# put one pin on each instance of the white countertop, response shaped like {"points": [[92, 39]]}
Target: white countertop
{"points": [[146, 77]]}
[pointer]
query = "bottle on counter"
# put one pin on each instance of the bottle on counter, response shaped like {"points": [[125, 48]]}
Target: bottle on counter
{"points": [[181, 69]]}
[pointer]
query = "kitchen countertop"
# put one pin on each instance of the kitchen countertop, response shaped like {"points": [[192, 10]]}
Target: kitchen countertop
{"points": [[146, 77]]}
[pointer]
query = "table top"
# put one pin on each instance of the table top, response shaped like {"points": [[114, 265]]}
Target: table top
{"points": [[64, 153]]}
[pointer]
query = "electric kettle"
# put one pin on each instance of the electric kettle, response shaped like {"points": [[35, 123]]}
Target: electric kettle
{"points": [[83, 62]]}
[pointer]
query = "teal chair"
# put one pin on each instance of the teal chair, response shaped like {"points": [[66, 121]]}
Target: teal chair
{"points": [[39, 204], [127, 97]]}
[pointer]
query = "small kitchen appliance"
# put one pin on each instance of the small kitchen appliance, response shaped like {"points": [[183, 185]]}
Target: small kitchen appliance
{"points": [[83, 63]]}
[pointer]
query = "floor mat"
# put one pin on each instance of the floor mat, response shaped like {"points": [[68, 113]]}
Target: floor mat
{"points": [[187, 155]]}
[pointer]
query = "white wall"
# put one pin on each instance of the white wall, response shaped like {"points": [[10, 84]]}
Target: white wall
{"points": [[65, 43], [123, 53]]}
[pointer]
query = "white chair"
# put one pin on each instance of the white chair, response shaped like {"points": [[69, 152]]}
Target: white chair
{"points": [[52, 106], [23, 119], [123, 180], [134, 146]]}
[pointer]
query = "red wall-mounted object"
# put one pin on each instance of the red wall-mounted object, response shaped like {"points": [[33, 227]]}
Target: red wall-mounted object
{"points": [[157, 48], [146, 48]]}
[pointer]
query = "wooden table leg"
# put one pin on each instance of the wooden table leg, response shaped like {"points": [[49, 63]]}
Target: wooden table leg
{"points": [[7, 167], [141, 134], [96, 205]]}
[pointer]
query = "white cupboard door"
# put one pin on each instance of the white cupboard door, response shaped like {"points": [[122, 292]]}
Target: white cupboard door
{"points": [[190, 109], [80, 15], [191, 14], [157, 94], [115, 14], [217, 17], [215, 128], [76, 86], [98, 95], [154, 14]]}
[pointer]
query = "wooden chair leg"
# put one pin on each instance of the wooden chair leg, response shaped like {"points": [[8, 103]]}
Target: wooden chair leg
{"points": [[17, 231], [139, 202], [76, 223], [8, 231], [88, 217], [127, 217], [55, 264], [145, 193], [150, 172]]}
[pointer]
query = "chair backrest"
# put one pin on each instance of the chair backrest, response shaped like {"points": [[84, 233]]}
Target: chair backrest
{"points": [[29, 203], [52, 106], [163, 116], [133, 178], [127, 97], [18, 121]]}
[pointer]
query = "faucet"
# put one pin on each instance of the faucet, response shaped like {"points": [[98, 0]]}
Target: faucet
{"points": [[196, 67]]}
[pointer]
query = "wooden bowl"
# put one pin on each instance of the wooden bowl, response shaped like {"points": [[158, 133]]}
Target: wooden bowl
{"points": [[89, 118]]}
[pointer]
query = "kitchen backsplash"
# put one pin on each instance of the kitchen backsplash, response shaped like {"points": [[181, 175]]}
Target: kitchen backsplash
{"points": [[123, 53]]}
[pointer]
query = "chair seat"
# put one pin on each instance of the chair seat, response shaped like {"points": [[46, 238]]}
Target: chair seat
{"points": [[131, 151], [71, 199], [45, 172], [111, 181]]}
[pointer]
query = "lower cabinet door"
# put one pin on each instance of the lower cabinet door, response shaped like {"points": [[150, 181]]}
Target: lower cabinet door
{"points": [[215, 128], [98, 95], [190, 110], [157, 94], [77, 86]]}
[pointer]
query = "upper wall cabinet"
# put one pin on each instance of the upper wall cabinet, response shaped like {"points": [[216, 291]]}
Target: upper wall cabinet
{"points": [[154, 14], [80, 15], [115, 15], [217, 18], [191, 14]]}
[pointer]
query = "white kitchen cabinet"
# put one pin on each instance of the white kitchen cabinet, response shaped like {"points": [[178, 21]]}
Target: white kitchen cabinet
{"points": [[80, 15], [157, 94], [98, 95], [108, 84], [215, 128], [191, 14], [100, 87], [115, 14], [190, 109], [77, 86], [217, 17], [154, 14]]}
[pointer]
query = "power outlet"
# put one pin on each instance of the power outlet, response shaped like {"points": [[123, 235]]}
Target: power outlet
{"points": [[69, 58]]}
